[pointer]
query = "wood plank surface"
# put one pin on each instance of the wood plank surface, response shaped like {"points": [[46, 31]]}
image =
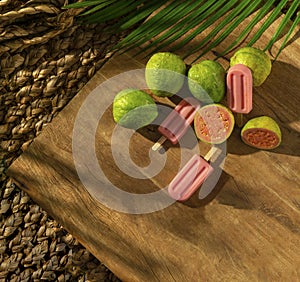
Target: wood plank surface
{"points": [[249, 231]]}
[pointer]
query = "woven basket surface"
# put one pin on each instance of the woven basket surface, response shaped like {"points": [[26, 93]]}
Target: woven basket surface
{"points": [[46, 57]]}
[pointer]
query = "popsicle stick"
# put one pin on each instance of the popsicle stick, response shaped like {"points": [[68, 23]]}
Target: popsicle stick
{"points": [[213, 150], [239, 119], [159, 143]]}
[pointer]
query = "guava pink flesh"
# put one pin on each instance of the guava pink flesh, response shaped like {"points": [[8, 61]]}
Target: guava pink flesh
{"points": [[260, 138], [213, 124]]}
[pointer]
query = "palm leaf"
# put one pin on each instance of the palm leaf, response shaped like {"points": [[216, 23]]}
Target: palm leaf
{"points": [[189, 22], [87, 3], [261, 13], [283, 23], [274, 15], [174, 24], [288, 35], [179, 30], [207, 23], [238, 14], [153, 26], [113, 10], [132, 19], [97, 8]]}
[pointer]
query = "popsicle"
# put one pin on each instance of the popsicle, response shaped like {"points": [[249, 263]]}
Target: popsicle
{"points": [[191, 176], [177, 122], [239, 86]]}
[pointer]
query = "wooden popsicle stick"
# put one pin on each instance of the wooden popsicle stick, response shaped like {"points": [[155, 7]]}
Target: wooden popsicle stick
{"points": [[239, 119], [159, 143], [213, 150]]}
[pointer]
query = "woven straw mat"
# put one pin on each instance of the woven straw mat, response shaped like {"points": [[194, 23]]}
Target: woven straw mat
{"points": [[46, 57]]}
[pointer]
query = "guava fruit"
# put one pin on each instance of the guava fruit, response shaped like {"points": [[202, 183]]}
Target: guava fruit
{"points": [[165, 73], [213, 123], [134, 108], [256, 60], [206, 81], [261, 132]]}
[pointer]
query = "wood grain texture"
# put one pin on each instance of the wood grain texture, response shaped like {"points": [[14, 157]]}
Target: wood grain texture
{"points": [[249, 232]]}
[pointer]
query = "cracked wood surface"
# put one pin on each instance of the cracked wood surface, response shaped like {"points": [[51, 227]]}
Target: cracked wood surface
{"points": [[250, 231]]}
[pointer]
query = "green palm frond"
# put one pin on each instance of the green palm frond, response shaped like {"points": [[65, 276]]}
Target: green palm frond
{"points": [[174, 24]]}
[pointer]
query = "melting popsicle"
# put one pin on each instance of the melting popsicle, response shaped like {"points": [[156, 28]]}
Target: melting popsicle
{"points": [[177, 122], [239, 85], [191, 176]]}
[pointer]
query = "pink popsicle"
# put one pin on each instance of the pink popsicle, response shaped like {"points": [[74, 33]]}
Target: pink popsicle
{"points": [[239, 85], [177, 122], [190, 177]]}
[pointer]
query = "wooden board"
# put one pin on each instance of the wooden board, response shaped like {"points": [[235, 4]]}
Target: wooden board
{"points": [[250, 231]]}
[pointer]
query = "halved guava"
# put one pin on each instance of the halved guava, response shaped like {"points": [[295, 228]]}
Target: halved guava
{"points": [[262, 133], [213, 123]]}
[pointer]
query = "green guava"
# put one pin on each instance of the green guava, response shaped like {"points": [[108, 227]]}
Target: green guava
{"points": [[213, 123], [165, 74], [134, 108], [206, 81], [256, 60], [261, 132]]}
